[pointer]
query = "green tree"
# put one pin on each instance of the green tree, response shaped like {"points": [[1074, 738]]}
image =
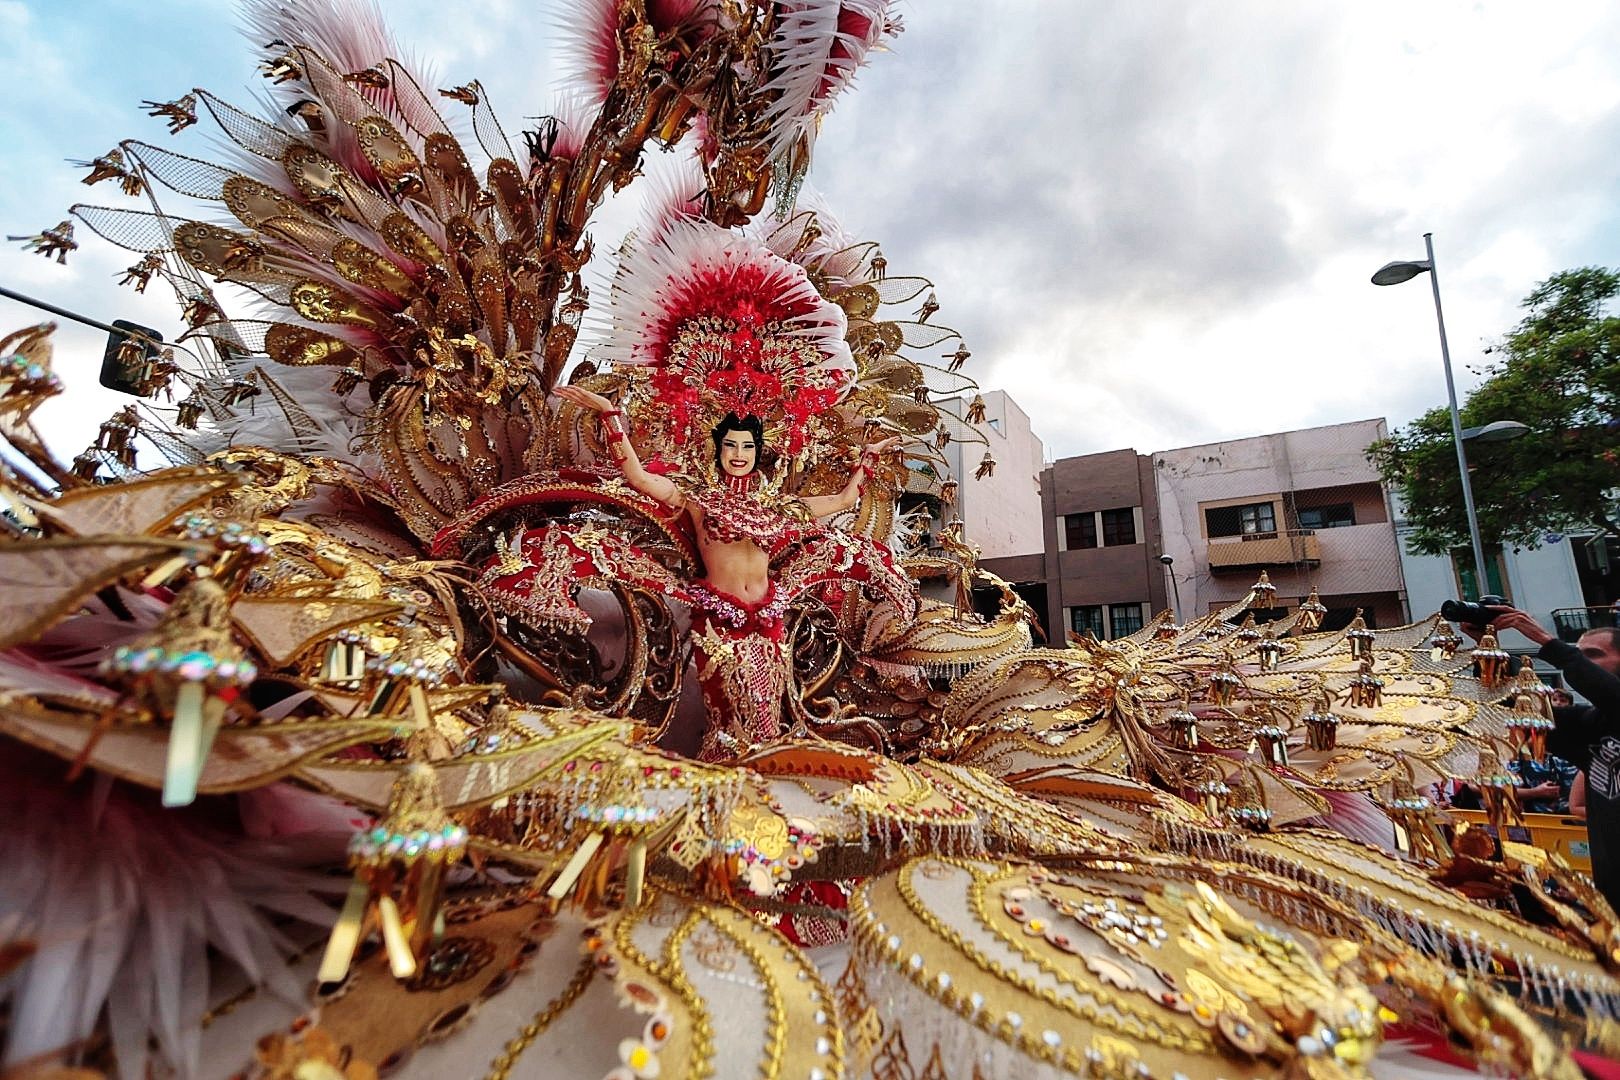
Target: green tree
{"points": [[1558, 371]]}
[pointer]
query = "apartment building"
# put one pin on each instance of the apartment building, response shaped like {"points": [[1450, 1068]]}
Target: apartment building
{"points": [[1097, 571], [1102, 528], [1001, 512], [1305, 506], [1125, 535]]}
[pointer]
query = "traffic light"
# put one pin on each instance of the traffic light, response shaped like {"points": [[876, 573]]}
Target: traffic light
{"points": [[127, 364]]}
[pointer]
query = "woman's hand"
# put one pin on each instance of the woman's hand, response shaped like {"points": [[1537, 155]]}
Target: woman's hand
{"points": [[576, 395], [882, 446]]}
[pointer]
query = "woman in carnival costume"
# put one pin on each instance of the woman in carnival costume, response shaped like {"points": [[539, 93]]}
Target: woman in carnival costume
{"points": [[737, 353]]}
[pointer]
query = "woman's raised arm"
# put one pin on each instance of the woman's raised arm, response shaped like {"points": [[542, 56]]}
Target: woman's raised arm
{"points": [[826, 505], [661, 488]]}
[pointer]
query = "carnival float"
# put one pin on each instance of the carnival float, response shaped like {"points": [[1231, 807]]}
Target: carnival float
{"points": [[479, 653]]}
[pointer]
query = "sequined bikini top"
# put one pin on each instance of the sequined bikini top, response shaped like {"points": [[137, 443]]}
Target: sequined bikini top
{"points": [[769, 519]]}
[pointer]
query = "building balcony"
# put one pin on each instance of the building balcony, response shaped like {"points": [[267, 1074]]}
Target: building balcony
{"points": [[1259, 551], [923, 483], [1573, 622]]}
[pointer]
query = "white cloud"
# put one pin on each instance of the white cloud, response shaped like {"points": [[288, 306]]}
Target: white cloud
{"points": [[1175, 211]]}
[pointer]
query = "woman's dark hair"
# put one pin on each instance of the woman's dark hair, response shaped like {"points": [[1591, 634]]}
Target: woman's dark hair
{"points": [[751, 424]]}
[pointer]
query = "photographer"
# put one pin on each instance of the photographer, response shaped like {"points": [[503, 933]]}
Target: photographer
{"points": [[1587, 735]]}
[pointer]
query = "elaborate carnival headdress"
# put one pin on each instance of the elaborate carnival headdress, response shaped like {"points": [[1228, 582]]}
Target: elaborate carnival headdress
{"points": [[708, 322], [450, 295]]}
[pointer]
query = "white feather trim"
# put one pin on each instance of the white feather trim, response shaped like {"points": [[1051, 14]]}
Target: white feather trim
{"points": [[587, 47], [808, 75], [835, 253], [317, 423], [655, 281], [352, 36], [126, 904]]}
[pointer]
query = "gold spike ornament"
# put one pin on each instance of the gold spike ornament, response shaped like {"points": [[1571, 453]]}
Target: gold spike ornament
{"points": [[400, 865]]}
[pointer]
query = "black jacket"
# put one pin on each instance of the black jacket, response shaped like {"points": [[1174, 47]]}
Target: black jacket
{"points": [[1589, 735]]}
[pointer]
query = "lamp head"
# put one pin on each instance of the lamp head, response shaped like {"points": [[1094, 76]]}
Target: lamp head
{"points": [[1396, 272], [1495, 431]]}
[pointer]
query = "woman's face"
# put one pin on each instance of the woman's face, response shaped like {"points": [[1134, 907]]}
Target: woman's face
{"points": [[738, 452]]}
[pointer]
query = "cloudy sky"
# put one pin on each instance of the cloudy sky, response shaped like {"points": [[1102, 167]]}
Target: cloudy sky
{"points": [[1153, 222]]}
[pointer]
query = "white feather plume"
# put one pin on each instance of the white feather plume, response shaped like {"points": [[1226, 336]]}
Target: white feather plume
{"points": [[656, 279], [815, 61], [352, 35], [126, 901]]}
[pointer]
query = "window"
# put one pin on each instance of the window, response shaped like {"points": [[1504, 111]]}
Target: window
{"points": [[1118, 527], [1081, 530], [1338, 516], [1259, 518], [1462, 562], [1087, 620], [1124, 619], [1250, 520]]}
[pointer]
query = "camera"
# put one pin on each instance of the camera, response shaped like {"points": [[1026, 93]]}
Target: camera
{"points": [[1166, 559], [1472, 613]]}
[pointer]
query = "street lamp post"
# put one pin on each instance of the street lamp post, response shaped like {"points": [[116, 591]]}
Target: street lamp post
{"points": [[1169, 562], [1393, 274]]}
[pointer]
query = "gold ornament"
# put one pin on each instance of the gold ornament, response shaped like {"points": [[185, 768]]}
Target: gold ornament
{"points": [[1491, 661], [399, 878], [186, 672], [1264, 593], [1311, 611]]}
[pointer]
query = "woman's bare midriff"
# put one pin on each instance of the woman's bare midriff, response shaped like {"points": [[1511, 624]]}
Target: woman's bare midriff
{"points": [[741, 570]]}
